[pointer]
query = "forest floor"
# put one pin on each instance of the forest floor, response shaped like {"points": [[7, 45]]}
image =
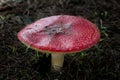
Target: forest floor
{"points": [[101, 62]]}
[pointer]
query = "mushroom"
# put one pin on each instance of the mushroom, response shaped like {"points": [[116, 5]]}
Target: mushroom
{"points": [[60, 35]]}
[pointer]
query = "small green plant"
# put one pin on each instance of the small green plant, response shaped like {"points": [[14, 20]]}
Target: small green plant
{"points": [[37, 55], [27, 48], [101, 16], [1, 18]]}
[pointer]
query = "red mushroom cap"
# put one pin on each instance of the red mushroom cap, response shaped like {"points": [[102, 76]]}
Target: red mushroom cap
{"points": [[61, 34]]}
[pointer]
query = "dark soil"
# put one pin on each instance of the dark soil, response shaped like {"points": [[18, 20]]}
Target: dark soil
{"points": [[101, 62]]}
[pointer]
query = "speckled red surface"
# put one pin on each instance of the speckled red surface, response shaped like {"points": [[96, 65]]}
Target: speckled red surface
{"points": [[80, 35]]}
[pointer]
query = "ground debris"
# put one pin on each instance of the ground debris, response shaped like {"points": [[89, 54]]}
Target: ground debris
{"points": [[4, 4]]}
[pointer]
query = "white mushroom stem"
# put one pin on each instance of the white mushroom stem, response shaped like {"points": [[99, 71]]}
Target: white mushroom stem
{"points": [[57, 61]]}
